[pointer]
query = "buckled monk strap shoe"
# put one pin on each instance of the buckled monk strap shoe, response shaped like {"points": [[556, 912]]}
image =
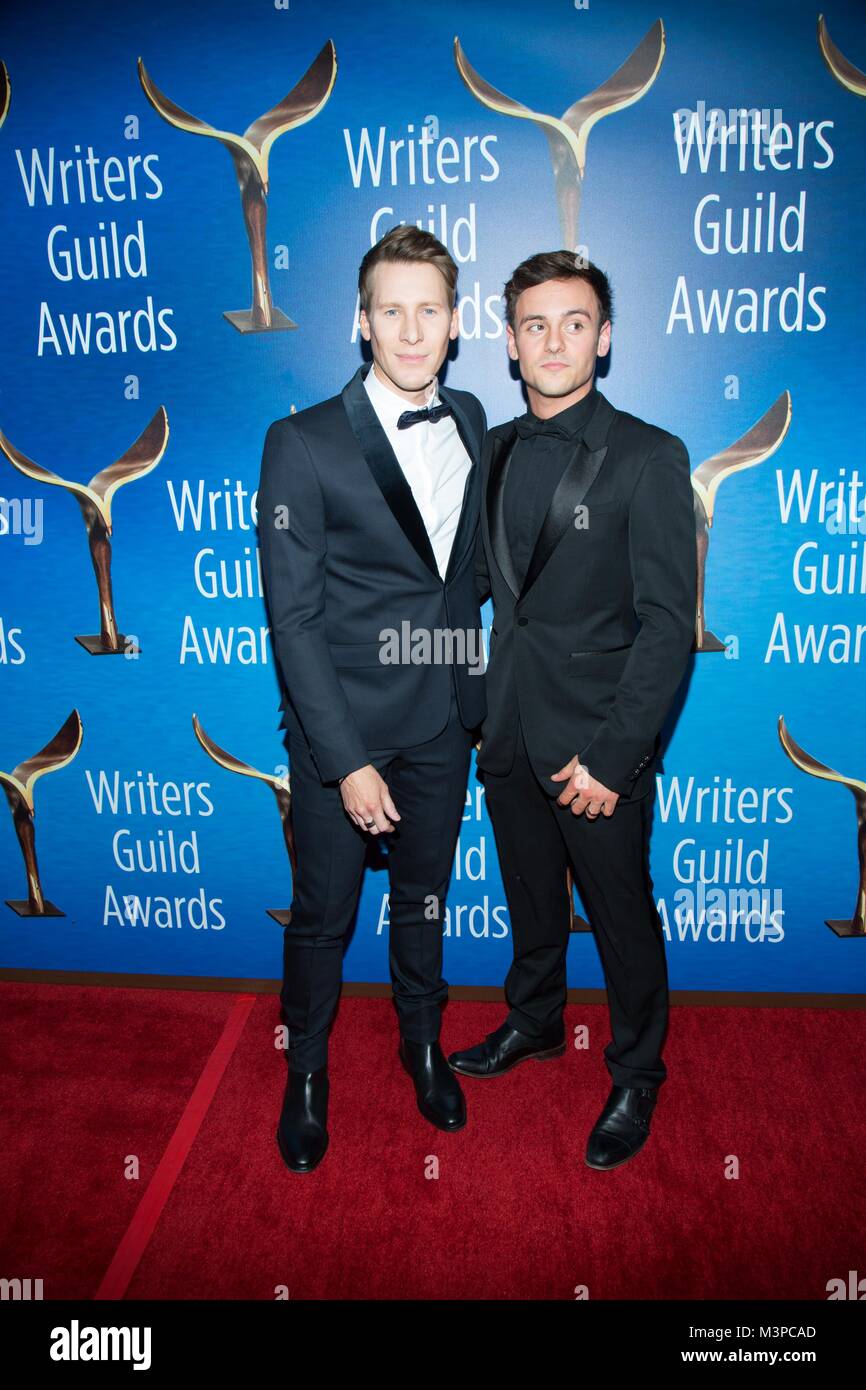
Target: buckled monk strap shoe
{"points": [[503, 1049], [302, 1136], [437, 1090], [622, 1128]]}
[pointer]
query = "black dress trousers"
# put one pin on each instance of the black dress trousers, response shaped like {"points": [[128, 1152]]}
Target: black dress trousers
{"points": [[535, 839], [428, 786]]}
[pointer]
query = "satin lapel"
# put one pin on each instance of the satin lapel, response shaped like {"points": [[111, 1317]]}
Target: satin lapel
{"points": [[472, 445], [571, 489], [570, 492], [500, 458], [382, 462]]}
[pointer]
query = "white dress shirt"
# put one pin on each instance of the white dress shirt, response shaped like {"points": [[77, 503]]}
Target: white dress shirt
{"points": [[433, 459]]}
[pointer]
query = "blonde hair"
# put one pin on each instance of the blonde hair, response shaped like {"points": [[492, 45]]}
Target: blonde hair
{"points": [[407, 243]]}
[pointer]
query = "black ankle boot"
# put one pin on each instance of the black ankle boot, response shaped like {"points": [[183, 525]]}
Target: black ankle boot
{"points": [[437, 1089], [302, 1135]]}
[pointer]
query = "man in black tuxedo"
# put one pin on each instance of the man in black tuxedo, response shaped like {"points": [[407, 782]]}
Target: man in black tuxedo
{"points": [[588, 547], [368, 517]]}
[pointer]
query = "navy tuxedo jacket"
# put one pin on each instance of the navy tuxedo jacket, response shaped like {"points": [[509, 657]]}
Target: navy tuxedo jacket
{"points": [[345, 556]]}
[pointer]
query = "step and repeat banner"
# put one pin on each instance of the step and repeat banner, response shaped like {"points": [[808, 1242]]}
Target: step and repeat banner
{"points": [[187, 192]]}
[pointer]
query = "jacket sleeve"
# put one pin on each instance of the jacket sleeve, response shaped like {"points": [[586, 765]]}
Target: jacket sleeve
{"points": [[293, 544], [663, 559], [482, 571]]}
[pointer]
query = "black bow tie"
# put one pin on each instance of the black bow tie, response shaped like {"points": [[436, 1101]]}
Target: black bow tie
{"points": [[430, 412], [528, 429]]}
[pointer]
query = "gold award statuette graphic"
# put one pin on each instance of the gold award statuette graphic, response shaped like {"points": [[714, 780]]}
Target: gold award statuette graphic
{"points": [[575, 921], [567, 135], [844, 72], [846, 926], [18, 786], [756, 445], [250, 153], [5, 92], [94, 499], [281, 788]]}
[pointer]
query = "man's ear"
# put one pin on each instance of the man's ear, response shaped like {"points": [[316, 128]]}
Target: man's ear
{"points": [[512, 345], [364, 325]]}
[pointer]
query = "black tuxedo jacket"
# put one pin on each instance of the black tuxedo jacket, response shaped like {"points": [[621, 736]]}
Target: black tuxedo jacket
{"points": [[346, 555], [591, 649]]}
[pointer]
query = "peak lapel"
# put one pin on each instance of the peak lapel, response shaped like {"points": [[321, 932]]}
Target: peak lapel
{"points": [[571, 489], [500, 458], [573, 486], [469, 506], [382, 462]]}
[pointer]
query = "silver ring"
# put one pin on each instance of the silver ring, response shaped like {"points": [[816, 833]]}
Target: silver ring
{"points": [[369, 822]]}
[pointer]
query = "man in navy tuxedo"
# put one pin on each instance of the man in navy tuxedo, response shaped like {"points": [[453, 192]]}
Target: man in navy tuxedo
{"points": [[368, 516], [588, 547]]}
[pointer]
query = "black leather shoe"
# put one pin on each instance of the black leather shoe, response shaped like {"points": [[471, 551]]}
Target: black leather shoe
{"points": [[438, 1092], [302, 1136], [503, 1049], [622, 1128]]}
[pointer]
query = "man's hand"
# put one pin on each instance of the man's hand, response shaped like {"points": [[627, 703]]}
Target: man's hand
{"points": [[368, 801], [582, 792]]}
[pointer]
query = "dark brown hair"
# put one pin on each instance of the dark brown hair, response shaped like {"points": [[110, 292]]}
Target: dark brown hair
{"points": [[407, 243], [558, 265]]}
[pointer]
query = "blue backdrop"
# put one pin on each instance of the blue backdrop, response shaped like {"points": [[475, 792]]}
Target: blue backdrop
{"points": [[705, 341]]}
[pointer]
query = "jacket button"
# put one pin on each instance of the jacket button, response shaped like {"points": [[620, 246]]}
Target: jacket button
{"points": [[521, 622]]}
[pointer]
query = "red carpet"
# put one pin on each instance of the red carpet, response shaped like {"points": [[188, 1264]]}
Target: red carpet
{"points": [[189, 1085]]}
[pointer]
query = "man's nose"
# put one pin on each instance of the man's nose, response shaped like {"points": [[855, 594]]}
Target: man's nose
{"points": [[554, 340]]}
